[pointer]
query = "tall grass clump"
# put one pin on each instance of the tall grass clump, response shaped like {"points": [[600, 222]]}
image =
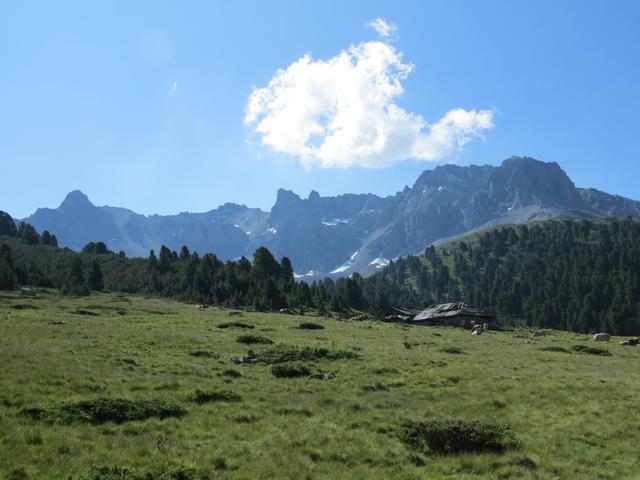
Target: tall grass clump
{"points": [[450, 437]]}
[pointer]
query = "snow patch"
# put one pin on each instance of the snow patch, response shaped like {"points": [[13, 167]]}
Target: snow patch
{"points": [[272, 230], [353, 257], [340, 269], [379, 262], [440, 188], [334, 222]]}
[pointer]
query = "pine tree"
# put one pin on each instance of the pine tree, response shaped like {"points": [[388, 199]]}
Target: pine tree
{"points": [[96, 280], [75, 282]]}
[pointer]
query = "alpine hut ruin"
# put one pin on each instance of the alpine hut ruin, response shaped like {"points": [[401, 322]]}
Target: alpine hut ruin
{"points": [[456, 314]]}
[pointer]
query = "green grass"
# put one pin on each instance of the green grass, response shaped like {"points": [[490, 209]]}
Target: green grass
{"points": [[561, 415]]}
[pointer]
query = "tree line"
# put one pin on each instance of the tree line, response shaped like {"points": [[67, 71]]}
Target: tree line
{"points": [[576, 275], [262, 283]]}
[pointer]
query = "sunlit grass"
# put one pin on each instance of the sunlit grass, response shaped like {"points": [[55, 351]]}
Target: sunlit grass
{"points": [[573, 414]]}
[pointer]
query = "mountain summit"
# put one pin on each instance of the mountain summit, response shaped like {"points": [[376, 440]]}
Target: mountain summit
{"points": [[74, 201], [347, 233]]}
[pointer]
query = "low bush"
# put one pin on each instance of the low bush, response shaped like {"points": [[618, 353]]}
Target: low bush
{"points": [[253, 339], [204, 354], [304, 412], [103, 410], [310, 326], [116, 473], [290, 353], [236, 325], [376, 387], [590, 350], [216, 395], [457, 436], [290, 370], [243, 419], [230, 372], [127, 473], [554, 348], [25, 306], [453, 350]]}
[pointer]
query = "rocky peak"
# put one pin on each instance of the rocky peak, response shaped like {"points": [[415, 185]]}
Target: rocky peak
{"points": [[522, 181], [75, 201]]}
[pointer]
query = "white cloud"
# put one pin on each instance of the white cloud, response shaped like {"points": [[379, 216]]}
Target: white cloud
{"points": [[384, 28], [341, 112], [173, 89]]}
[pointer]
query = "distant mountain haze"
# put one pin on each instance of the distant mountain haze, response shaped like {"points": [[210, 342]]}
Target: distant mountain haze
{"points": [[336, 236]]}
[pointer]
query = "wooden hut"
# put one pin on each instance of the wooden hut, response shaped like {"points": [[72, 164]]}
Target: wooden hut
{"points": [[457, 314]]}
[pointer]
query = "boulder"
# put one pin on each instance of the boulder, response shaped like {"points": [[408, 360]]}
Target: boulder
{"points": [[602, 337]]}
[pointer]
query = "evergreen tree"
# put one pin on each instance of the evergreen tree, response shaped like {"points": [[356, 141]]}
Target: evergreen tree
{"points": [[75, 283], [28, 234], [96, 280], [7, 225], [7, 276]]}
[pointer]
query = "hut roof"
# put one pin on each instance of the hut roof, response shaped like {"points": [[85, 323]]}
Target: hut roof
{"points": [[448, 310]]}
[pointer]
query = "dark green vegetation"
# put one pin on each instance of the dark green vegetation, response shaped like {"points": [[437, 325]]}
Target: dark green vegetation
{"points": [[590, 350], [215, 395], [253, 339], [290, 370], [576, 275], [310, 326], [290, 353], [103, 410], [570, 415], [568, 275], [457, 436]]}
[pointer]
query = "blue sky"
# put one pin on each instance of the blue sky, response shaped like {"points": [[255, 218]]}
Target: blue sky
{"points": [[144, 104]]}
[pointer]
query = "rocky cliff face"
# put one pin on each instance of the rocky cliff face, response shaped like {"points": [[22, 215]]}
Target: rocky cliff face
{"points": [[347, 233]]}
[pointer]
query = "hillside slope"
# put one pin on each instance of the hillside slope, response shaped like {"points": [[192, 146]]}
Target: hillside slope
{"points": [[578, 275]]}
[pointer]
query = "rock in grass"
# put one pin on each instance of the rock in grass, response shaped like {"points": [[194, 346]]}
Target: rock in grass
{"points": [[214, 395], [103, 410], [450, 437]]}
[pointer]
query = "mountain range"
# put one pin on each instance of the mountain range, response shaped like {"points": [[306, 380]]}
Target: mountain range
{"points": [[336, 236]]}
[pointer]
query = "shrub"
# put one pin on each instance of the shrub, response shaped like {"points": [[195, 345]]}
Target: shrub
{"points": [[376, 387], [243, 419], [236, 325], [305, 412], [202, 396], [290, 370], [116, 473], [127, 473], [590, 350], [290, 353], [310, 326], [230, 372], [203, 353], [103, 410], [453, 350], [457, 436], [17, 474], [554, 348], [253, 339]]}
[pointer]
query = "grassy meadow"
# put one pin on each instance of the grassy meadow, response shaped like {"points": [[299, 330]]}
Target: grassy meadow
{"points": [[574, 414]]}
